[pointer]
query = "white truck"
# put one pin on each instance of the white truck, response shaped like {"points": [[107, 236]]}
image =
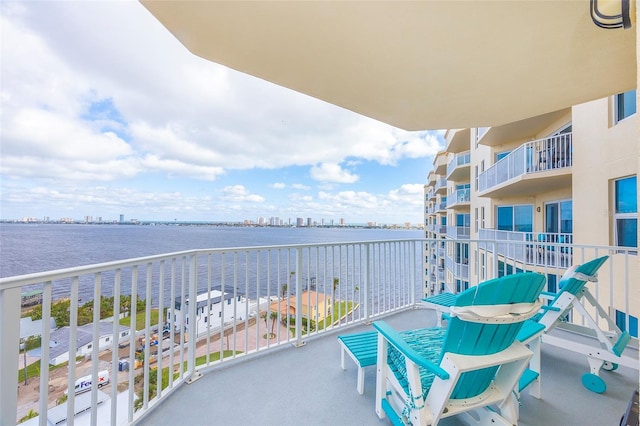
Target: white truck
{"points": [[84, 383]]}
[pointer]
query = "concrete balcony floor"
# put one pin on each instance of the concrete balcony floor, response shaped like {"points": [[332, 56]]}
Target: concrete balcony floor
{"points": [[306, 386]]}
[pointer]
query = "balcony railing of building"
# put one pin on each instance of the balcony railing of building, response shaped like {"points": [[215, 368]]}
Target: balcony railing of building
{"points": [[459, 197], [460, 269], [539, 248], [250, 301], [265, 291], [441, 183], [459, 160], [441, 207], [458, 232], [552, 153]]}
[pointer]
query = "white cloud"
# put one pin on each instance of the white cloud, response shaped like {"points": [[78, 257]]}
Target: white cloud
{"points": [[327, 172], [173, 117], [300, 186], [238, 193]]}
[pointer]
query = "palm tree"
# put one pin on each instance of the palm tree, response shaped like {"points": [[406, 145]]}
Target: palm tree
{"points": [[336, 282], [274, 317], [263, 315], [284, 290]]}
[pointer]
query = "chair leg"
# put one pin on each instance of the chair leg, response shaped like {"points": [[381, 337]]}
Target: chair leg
{"points": [[535, 388]]}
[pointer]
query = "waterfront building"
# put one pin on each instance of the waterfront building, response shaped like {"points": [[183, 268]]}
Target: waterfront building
{"points": [[59, 340], [569, 176], [315, 305], [212, 310]]}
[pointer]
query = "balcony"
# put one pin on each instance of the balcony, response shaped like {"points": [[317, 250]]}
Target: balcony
{"points": [[441, 207], [460, 269], [441, 186], [459, 199], [440, 163], [459, 169], [522, 129], [458, 232], [253, 369], [538, 248], [544, 164], [458, 140]]}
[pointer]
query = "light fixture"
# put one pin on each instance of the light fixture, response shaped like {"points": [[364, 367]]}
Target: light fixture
{"points": [[611, 14]]}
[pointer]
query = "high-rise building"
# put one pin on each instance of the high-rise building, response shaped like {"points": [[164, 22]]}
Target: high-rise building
{"points": [[121, 219], [564, 177], [299, 222]]}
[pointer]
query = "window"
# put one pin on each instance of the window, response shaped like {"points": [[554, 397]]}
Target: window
{"points": [[501, 155], [482, 217], [626, 212], [462, 253], [558, 217], [463, 219], [480, 131], [621, 321], [476, 176], [515, 218], [476, 218], [625, 105]]}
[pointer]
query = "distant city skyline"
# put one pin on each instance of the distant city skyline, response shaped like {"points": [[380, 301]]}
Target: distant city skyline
{"points": [[125, 120], [258, 221]]}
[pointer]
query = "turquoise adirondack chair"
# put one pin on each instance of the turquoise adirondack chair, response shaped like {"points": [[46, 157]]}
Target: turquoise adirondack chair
{"points": [[473, 363], [574, 294]]}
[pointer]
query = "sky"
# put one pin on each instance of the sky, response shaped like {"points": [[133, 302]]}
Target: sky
{"points": [[103, 113]]}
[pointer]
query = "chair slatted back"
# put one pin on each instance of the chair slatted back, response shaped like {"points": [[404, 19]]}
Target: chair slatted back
{"points": [[473, 338], [575, 285]]}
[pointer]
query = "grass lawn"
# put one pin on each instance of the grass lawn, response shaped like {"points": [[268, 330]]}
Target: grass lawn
{"points": [[33, 369], [141, 320]]}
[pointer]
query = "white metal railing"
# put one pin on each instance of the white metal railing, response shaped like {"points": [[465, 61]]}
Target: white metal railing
{"points": [[442, 206], [277, 296], [440, 183], [459, 160], [460, 196], [540, 248], [258, 295], [458, 232], [459, 269], [550, 153]]}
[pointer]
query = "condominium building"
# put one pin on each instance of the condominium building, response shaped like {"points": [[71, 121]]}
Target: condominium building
{"points": [[565, 177]]}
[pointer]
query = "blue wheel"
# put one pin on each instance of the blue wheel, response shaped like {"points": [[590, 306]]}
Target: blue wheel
{"points": [[609, 366], [593, 383]]}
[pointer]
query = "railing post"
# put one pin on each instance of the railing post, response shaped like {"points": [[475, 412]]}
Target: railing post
{"points": [[193, 329], [365, 283], [9, 339], [299, 342]]}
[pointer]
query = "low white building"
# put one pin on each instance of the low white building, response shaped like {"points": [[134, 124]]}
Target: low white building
{"points": [[212, 310], [59, 340]]}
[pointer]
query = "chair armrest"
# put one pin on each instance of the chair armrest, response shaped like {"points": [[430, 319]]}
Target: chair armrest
{"points": [[548, 295], [549, 308], [394, 338]]}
